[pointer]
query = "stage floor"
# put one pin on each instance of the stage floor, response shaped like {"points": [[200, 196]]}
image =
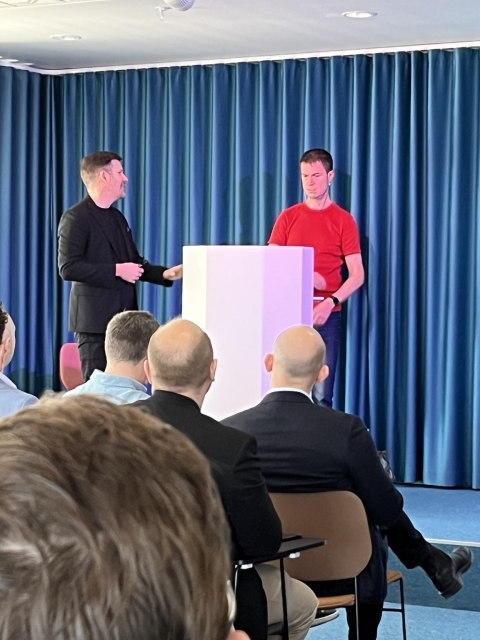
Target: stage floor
{"points": [[450, 515]]}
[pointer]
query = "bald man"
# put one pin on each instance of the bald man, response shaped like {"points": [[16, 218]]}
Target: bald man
{"points": [[306, 448], [181, 368]]}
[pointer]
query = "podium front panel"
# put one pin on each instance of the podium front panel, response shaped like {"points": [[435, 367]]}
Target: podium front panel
{"points": [[244, 297]]}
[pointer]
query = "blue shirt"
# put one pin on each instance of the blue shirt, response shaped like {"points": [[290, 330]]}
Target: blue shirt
{"points": [[120, 389], [11, 398]]}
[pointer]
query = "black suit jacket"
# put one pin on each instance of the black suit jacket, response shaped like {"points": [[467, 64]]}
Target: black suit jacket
{"points": [[307, 448], [87, 255], [255, 526]]}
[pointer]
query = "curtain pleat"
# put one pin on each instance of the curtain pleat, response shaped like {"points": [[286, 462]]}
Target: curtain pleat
{"points": [[212, 154]]}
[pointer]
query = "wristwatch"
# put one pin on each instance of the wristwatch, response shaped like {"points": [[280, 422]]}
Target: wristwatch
{"points": [[335, 299]]}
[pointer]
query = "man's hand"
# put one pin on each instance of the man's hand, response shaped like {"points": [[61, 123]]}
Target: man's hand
{"points": [[128, 271], [322, 311], [174, 273]]}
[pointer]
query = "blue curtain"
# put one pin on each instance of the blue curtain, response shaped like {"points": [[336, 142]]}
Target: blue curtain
{"points": [[212, 157]]}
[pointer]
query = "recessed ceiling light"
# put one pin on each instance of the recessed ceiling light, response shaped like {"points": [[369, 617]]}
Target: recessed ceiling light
{"points": [[67, 37], [10, 60], [26, 64], [358, 14]]}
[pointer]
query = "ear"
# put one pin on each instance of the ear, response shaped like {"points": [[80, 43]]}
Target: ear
{"points": [[103, 175], [323, 373], [269, 362], [148, 371], [4, 351], [330, 176], [213, 369]]}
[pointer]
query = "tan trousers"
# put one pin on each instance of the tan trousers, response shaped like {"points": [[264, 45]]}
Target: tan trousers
{"points": [[302, 603]]}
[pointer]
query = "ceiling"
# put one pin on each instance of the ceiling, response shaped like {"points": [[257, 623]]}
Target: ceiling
{"points": [[118, 33]]}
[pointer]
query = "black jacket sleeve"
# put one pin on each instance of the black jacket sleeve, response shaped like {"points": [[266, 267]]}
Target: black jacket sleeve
{"points": [[154, 273], [382, 502], [256, 527]]}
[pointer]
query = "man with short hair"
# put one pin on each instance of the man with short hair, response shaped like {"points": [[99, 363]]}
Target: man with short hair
{"points": [[181, 368], [97, 252], [332, 232], [11, 398], [111, 528], [305, 448], [126, 343]]}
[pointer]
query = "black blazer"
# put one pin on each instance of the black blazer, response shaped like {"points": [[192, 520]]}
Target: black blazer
{"points": [[307, 448], [87, 255], [254, 523]]}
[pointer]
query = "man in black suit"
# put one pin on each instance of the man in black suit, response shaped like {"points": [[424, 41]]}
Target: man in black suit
{"points": [[181, 368], [307, 448], [97, 252]]}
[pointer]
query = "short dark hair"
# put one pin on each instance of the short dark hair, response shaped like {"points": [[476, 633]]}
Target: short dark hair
{"points": [[318, 155], [128, 334], [3, 321], [111, 527], [94, 163]]}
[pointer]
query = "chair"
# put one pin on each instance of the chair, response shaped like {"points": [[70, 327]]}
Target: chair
{"points": [[340, 518], [70, 366], [290, 548]]}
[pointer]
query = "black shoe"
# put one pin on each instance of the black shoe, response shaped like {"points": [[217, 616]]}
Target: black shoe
{"points": [[325, 615], [445, 571]]}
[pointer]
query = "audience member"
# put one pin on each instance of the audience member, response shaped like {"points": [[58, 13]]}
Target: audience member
{"points": [[181, 368], [11, 398], [111, 528], [126, 343], [306, 448]]}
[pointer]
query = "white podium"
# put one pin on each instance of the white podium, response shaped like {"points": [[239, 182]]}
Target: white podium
{"points": [[244, 297]]}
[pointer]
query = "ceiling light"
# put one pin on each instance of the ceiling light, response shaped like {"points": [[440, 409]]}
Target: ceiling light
{"points": [[359, 14], [9, 60], [180, 5], [67, 37]]}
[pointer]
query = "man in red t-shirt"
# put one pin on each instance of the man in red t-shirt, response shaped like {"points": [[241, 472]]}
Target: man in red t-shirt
{"points": [[332, 232]]}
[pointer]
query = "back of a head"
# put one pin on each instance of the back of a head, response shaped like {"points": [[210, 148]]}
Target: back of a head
{"points": [[299, 354], [94, 163], [128, 334], [111, 528], [180, 355], [318, 155]]}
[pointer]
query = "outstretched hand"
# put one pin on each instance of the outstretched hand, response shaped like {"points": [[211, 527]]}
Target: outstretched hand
{"points": [[174, 273]]}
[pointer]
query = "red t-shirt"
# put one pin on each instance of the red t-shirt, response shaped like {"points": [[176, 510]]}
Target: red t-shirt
{"points": [[332, 232]]}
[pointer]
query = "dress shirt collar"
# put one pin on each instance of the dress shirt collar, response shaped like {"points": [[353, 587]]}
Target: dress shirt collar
{"points": [[290, 389], [7, 381], [112, 380]]}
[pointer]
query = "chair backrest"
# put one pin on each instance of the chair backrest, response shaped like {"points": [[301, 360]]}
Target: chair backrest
{"points": [[70, 366], [337, 516]]}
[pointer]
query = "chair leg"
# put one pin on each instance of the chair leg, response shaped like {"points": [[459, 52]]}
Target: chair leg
{"points": [[356, 611], [402, 602], [285, 635]]}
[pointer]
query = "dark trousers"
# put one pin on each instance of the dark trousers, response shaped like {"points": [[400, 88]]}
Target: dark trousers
{"points": [[331, 333], [91, 347], [407, 543], [369, 616]]}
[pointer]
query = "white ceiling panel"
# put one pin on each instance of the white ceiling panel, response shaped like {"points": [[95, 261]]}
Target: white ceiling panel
{"points": [[130, 32]]}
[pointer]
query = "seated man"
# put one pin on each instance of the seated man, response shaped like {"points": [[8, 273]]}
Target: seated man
{"points": [[111, 528], [126, 342], [11, 398], [306, 448], [181, 368]]}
